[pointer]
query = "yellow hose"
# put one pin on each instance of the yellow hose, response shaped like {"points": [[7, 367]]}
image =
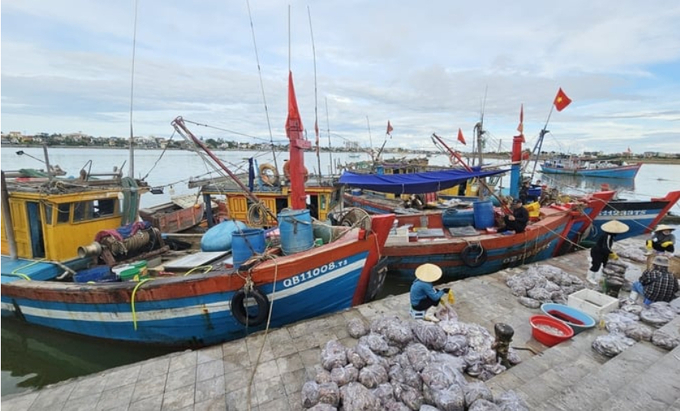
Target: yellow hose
{"points": [[132, 302]]}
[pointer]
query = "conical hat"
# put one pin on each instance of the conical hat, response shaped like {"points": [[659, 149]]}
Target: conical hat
{"points": [[660, 261], [428, 273], [662, 227], [614, 227]]}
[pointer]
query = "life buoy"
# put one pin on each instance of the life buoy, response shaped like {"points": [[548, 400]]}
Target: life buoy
{"points": [[473, 255], [241, 313], [286, 171], [257, 215], [269, 174]]}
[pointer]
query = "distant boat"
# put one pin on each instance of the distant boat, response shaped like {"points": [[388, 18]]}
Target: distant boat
{"points": [[590, 167], [181, 213]]}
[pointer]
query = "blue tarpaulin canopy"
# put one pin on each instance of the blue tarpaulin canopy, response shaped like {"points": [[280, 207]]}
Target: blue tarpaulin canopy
{"points": [[413, 183]]}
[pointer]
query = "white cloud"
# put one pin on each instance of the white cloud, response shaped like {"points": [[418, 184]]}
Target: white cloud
{"points": [[67, 67]]}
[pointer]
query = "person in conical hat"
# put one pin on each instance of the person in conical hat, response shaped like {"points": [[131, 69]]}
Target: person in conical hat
{"points": [[655, 284], [662, 239], [424, 297], [602, 250]]}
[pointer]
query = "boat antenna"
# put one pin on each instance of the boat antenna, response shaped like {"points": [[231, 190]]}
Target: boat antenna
{"points": [[131, 172], [328, 125], [264, 99], [316, 105], [370, 140]]}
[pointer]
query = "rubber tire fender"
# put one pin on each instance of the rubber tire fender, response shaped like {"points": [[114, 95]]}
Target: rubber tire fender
{"points": [[239, 312], [473, 255]]}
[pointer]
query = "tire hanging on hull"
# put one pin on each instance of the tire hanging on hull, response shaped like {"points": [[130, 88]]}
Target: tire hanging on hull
{"points": [[240, 312]]}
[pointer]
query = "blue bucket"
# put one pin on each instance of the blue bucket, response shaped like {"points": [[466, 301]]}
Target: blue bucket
{"points": [[245, 243], [457, 218], [483, 211], [295, 227], [219, 237], [573, 317]]}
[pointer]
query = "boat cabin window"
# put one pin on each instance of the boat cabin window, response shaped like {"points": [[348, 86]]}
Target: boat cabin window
{"points": [[48, 213], [93, 209], [83, 210], [63, 213]]}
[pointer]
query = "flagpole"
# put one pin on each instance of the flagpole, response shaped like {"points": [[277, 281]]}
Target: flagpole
{"points": [[539, 143], [316, 104]]}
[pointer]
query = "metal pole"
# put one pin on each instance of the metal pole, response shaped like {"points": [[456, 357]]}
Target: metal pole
{"points": [[7, 218], [50, 176]]}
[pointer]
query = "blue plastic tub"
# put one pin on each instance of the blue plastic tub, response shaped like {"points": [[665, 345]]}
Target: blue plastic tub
{"points": [[457, 218], [573, 317], [100, 273], [295, 227], [483, 214], [245, 243]]}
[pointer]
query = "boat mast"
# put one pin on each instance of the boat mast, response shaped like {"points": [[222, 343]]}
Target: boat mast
{"points": [[131, 172]]}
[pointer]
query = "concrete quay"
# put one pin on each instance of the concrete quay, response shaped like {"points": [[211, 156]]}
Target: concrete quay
{"points": [[266, 371]]}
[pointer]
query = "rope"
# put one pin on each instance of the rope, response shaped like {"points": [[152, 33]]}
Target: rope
{"points": [[266, 330], [132, 302], [161, 156], [206, 269]]}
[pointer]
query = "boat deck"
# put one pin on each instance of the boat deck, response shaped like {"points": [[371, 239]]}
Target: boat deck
{"points": [[568, 376]]}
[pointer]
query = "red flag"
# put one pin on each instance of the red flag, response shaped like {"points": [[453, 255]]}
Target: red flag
{"points": [[293, 122], [561, 100], [389, 128], [460, 136], [520, 127]]}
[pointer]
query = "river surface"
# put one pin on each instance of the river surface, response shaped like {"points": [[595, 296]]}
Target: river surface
{"points": [[34, 357]]}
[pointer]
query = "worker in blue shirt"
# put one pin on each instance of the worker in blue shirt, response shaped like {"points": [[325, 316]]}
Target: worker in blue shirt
{"points": [[424, 297]]}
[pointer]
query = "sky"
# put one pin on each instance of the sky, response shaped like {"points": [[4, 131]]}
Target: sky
{"points": [[428, 67]]}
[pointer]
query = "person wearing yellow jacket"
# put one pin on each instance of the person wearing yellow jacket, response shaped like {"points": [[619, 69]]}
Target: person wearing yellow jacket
{"points": [[662, 239]]}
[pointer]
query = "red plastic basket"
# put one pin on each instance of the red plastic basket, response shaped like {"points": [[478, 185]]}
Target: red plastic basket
{"points": [[544, 336]]}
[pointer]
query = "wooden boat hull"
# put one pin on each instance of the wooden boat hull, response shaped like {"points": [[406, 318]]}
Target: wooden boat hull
{"points": [[640, 216], [195, 310], [540, 241], [169, 218], [629, 171]]}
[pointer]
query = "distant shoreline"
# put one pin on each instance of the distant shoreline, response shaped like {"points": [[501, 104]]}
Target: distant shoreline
{"points": [[653, 160]]}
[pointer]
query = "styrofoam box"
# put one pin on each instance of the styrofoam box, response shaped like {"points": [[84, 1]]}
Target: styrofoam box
{"points": [[593, 303]]}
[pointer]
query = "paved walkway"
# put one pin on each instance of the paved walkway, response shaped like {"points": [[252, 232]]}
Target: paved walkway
{"points": [[569, 376]]}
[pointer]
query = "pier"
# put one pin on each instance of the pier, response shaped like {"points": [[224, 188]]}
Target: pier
{"points": [[266, 371]]}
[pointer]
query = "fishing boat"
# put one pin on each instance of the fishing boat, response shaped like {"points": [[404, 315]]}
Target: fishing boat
{"points": [[464, 241], [641, 216], [590, 167], [203, 298], [179, 214]]}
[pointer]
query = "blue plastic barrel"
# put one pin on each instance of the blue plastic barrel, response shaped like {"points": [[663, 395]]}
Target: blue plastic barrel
{"points": [[457, 218], [295, 227], [245, 243], [100, 273], [218, 238], [483, 214]]}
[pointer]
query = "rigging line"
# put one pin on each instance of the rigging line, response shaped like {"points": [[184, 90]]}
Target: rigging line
{"points": [[316, 102], [131, 171], [259, 71], [161, 156], [223, 129]]}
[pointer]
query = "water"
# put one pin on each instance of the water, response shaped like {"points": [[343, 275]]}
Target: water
{"points": [[34, 357]]}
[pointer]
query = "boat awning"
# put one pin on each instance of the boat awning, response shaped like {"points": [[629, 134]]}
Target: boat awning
{"points": [[413, 183]]}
